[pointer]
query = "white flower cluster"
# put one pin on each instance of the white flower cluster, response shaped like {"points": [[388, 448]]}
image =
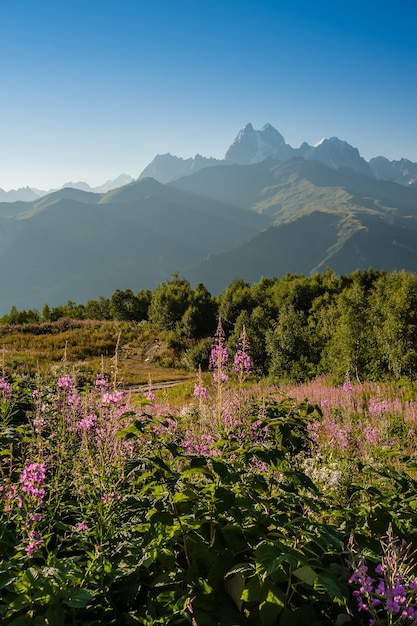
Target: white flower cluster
{"points": [[326, 477]]}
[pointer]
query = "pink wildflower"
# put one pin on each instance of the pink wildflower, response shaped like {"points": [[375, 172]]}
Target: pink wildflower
{"points": [[5, 388], [199, 391], [65, 383]]}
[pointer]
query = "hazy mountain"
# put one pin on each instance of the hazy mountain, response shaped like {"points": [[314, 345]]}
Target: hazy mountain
{"points": [[166, 167], [120, 181], [403, 171], [310, 244], [336, 153], [321, 218], [77, 245], [222, 221], [253, 146], [26, 194], [249, 147]]}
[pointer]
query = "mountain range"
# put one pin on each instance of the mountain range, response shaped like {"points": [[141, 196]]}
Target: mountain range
{"points": [[30, 193], [264, 210], [253, 146]]}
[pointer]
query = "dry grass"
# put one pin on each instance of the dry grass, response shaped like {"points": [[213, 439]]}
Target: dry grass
{"points": [[134, 350]]}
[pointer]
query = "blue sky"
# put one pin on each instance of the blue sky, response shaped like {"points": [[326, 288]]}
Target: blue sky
{"points": [[93, 89]]}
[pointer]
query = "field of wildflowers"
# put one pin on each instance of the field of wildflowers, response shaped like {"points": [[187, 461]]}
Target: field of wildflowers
{"points": [[241, 504]]}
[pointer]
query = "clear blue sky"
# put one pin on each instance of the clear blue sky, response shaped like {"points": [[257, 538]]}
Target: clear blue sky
{"points": [[91, 89]]}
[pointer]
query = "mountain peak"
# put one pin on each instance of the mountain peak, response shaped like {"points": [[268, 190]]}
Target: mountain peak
{"points": [[252, 146], [336, 153]]}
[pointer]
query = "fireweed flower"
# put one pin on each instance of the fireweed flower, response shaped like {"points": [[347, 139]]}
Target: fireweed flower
{"points": [[86, 423], [199, 391], [32, 481], [64, 383], [108, 498], [201, 445], [5, 388], [391, 594], [113, 398], [219, 355], [242, 365], [34, 544], [101, 383]]}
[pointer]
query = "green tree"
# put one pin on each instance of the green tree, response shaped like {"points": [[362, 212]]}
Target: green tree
{"points": [[347, 352], [237, 297], [144, 297], [393, 310], [287, 345], [125, 306], [169, 302], [98, 309], [200, 318], [30, 316], [46, 313]]}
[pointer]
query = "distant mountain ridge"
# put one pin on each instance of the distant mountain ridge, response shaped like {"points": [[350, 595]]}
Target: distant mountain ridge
{"points": [[253, 146], [249, 147], [221, 222], [27, 194], [264, 210]]}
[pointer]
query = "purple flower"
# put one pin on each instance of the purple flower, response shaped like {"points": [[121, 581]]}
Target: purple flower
{"points": [[101, 382], [242, 363], [5, 388], [219, 357], [113, 398], [199, 391], [32, 480], [34, 544], [86, 423], [65, 383]]}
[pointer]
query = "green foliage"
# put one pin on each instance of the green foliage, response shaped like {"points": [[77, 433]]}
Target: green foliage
{"points": [[175, 306], [233, 300], [359, 326], [125, 306], [131, 524]]}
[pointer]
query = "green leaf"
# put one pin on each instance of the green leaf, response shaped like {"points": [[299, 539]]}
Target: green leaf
{"points": [[234, 586], [22, 620], [246, 569], [55, 616], [162, 517], [220, 468], [271, 607], [333, 587], [186, 495], [77, 598], [271, 557], [225, 499], [254, 591], [306, 574], [20, 602]]}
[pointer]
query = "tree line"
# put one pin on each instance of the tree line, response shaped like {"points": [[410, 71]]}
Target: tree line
{"points": [[358, 326]]}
